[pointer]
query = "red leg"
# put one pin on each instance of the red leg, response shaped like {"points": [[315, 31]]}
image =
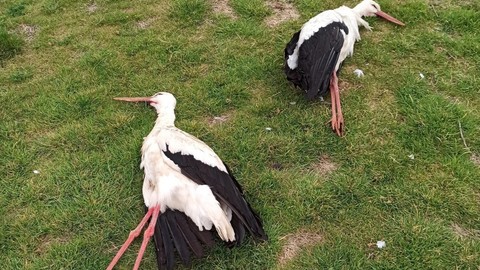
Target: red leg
{"points": [[337, 116], [133, 234], [332, 98], [147, 235]]}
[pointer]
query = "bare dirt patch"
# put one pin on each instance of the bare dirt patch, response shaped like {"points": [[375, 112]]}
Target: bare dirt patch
{"points": [[29, 31], [475, 159], [296, 242], [282, 11], [222, 7], [219, 119], [324, 165], [92, 7], [144, 24]]}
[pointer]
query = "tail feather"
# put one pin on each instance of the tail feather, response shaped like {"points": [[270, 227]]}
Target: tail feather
{"points": [[188, 235], [167, 243], [175, 231], [178, 239], [159, 247]]}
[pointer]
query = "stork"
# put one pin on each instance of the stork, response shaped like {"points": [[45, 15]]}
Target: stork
{"points": [[188, 190], [314, 54]]}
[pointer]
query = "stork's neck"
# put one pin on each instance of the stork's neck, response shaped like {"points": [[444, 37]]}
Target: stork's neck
{"points": [[165, 118], [355, 16], [362, 10]]}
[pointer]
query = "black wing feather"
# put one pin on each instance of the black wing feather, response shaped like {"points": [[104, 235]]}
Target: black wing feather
{"points": [[239, 230], [318, 57], [224, 186], [293, 75], [206, 237]]}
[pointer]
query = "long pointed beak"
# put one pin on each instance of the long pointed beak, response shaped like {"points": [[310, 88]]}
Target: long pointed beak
{"points": [[389, 18], [134, 99]]}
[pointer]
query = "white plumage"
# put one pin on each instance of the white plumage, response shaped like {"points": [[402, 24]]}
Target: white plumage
{"points": [[164, 184], [185, 178], [314, 54]]}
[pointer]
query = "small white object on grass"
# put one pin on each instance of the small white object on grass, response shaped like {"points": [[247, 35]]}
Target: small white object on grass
{"points": [[359, 73], [381, 244], [36, 171], [411, 156], [293, 103], [268, 129], [421, 75]]}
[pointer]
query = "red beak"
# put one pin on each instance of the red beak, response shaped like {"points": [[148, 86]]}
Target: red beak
{"points": [[134, 99], [389, 18]]}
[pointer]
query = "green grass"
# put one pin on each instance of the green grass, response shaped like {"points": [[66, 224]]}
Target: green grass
{"points": [[58, 117], [10, 45]]}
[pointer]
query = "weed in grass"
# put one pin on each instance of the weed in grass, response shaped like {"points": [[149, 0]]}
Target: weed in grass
{"points": [[21, 75], [10, 45], [16, 10], [250, 9], [188, 13], [50, 7]]}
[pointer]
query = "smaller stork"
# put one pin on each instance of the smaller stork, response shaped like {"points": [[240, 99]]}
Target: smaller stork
{"points": [[314, 54], [187, 190]]}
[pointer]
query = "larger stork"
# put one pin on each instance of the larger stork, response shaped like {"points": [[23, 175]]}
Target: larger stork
{"points": [[188, 190], [314, 54]]}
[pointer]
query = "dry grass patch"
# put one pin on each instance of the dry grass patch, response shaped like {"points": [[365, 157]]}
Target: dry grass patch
{"points": [[465, 233], [296, 242], [324, 165], [282, 11], [222, 7], [47, 241]]}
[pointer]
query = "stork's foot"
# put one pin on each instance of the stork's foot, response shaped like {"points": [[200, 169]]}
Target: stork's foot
{"points": [[152, 212], [337, 124]]}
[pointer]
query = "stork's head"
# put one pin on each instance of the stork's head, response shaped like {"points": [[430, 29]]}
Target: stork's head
{"points": [[371, 8], [161, 101]]}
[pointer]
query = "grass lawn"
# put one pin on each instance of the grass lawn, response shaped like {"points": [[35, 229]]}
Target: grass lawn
{"points": [[407, 172]]}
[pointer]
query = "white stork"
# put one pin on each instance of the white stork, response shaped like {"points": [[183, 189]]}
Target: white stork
{"points": [[314, 54], [188, 190]]}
